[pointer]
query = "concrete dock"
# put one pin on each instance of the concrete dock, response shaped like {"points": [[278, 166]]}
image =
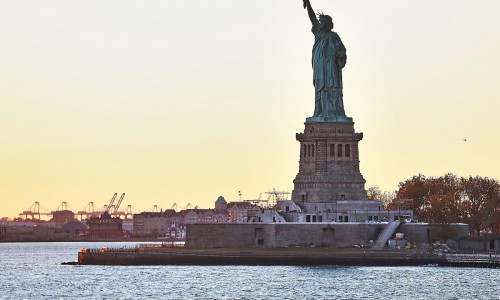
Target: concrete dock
{"points": [[159, 255]]}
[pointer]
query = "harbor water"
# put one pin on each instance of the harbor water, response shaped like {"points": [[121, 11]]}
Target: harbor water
{"points": [[34, 271]]}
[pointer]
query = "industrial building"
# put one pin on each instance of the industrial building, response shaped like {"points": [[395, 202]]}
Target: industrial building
{"points": [[171, 224]]}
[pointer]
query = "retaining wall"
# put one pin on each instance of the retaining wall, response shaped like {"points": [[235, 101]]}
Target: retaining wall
{"points": [[272, 235]]}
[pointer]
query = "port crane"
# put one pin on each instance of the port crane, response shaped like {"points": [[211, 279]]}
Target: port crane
{"points": [[36, 211], [277, 196], [155, 208], [63, 206], [88, 211], [117, 206], [129, 213], [33, 211], [255, 201], [174, 207], [108, 207]]}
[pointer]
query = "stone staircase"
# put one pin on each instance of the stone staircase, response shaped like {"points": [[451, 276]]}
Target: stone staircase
{"points": [[385, 235]]}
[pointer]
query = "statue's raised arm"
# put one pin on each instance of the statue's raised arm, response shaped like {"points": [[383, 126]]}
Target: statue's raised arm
{"points": [[310, 12]]}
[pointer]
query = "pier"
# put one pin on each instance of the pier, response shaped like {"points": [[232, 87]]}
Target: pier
{"points": [[477, 260], [177, 255]]}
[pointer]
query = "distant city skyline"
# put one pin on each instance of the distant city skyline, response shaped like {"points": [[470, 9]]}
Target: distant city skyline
{"points": [[180, 102]]}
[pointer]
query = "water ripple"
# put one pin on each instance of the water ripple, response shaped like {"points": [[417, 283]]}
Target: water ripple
{"points": [[34, 271]]}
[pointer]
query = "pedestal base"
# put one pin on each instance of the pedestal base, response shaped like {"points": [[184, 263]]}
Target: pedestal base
{"points": [[329, 163]]}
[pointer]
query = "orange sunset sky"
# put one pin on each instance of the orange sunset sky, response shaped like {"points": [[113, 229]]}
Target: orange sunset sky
{"points": [[183, 101]]}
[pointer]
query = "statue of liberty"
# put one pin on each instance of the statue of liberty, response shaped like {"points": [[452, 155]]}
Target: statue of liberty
{"points": [[328, 59]]}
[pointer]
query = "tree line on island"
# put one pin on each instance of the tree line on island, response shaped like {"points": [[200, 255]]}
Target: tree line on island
{"points": [[447, 199]]}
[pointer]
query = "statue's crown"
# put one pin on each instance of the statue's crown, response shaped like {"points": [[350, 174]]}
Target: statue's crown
{"points": [[323, 16]]}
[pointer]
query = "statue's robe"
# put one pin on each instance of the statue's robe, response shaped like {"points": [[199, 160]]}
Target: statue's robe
{"points": [[328, 59]]}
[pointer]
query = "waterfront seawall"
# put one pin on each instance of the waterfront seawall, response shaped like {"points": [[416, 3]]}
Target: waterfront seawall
{"points": [[261, 256]]}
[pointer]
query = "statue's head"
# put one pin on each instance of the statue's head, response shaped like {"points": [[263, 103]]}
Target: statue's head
{"points": [[326, 22]]}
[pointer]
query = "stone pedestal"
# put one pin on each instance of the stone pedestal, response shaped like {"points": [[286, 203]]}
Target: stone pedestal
{"points": [[329, 164]]}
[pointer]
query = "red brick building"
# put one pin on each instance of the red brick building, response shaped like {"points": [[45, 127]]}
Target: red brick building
{"points": [[105, 227]]}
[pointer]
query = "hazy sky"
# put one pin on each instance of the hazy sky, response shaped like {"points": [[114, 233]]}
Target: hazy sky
{"points": [[183, 101]]}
